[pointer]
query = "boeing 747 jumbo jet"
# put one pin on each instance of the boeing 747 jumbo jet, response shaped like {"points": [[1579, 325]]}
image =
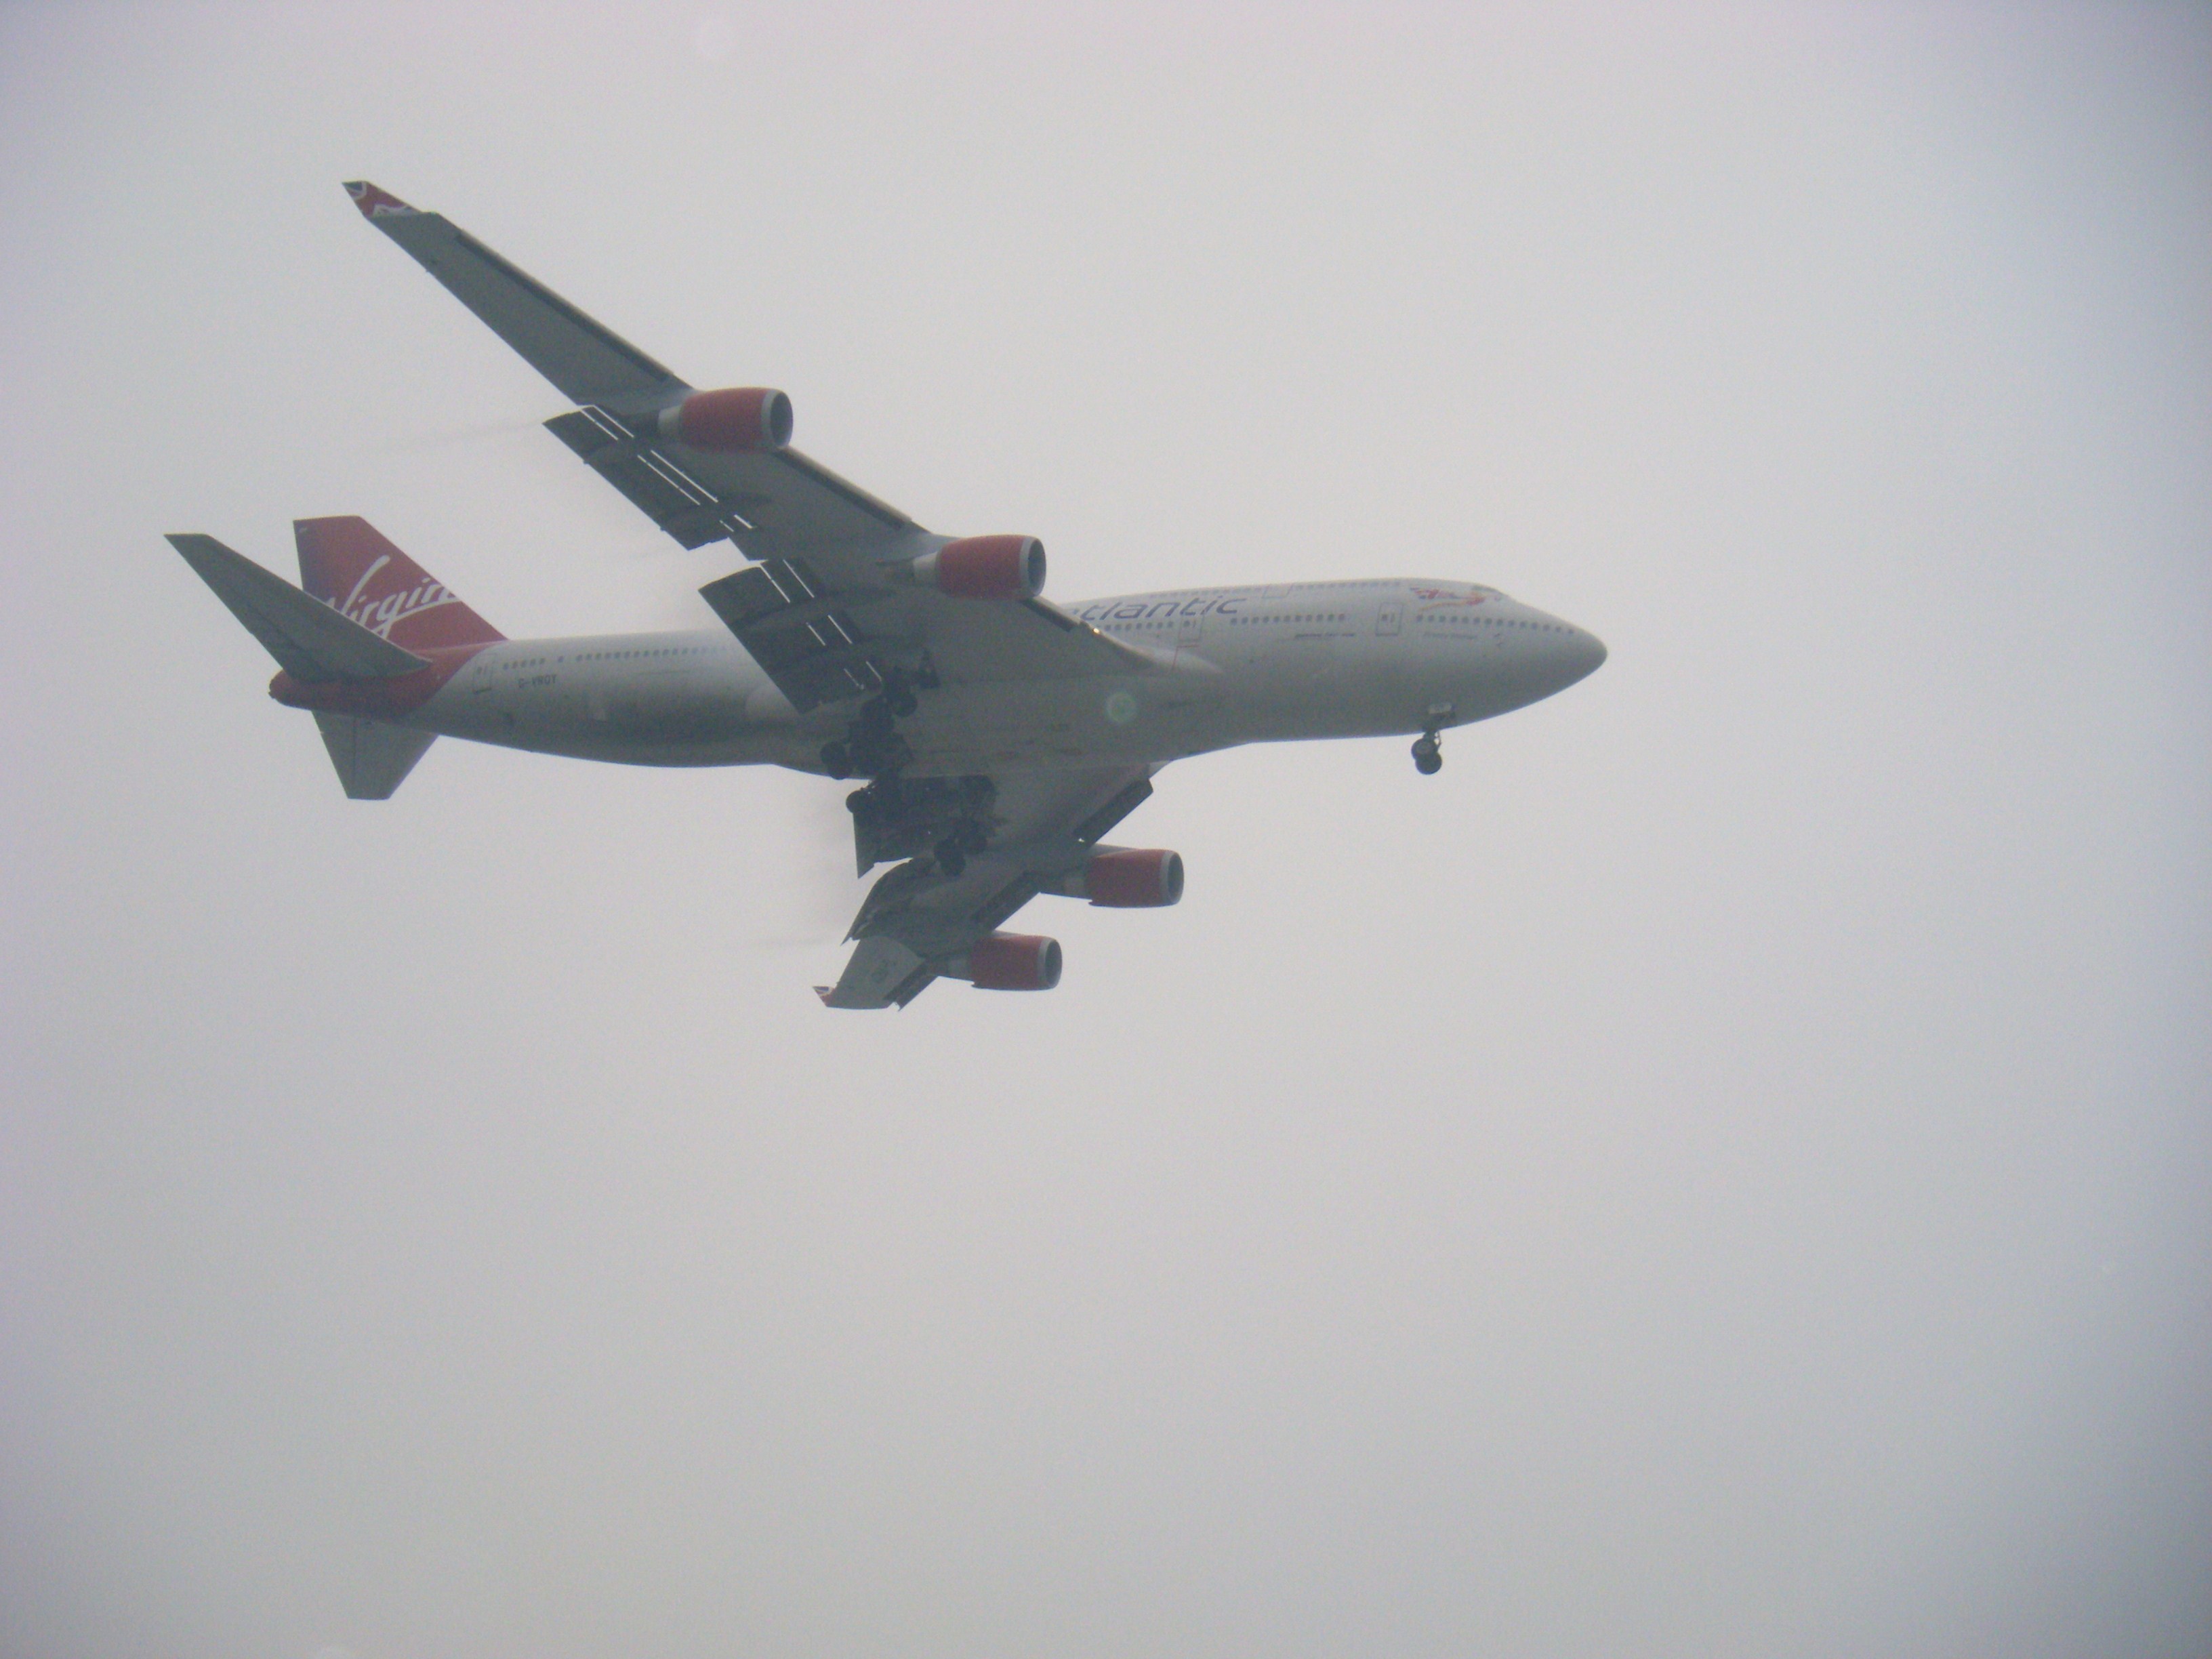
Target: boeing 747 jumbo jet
{"points": [[997, 737]]}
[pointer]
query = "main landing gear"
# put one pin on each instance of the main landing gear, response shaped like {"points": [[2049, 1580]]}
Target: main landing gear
{"points": [[897, 817], [1428, 748], [870, 748]]}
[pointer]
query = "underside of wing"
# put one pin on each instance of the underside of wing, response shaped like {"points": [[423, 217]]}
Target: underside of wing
{"points": [[588, 361], [825, 609], [825, 629], [922, 919], [769, 499], [771, 503]]}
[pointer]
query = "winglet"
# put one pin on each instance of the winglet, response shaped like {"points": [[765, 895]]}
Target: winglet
{"points": [[375, 203], [878, 969]]}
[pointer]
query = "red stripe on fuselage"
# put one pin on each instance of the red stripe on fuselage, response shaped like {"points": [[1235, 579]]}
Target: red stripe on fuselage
{"points": [[385, 699]]}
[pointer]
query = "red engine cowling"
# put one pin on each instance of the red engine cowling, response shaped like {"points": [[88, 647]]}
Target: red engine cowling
{"points": [[985, 568], [730, 423], [1133, 880], [1010, 962]]}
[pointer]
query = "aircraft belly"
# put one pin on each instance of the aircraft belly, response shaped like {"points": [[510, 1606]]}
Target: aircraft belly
{"points": [[1319, 686], [681, 716], [1302, 689], [1043, 723]]}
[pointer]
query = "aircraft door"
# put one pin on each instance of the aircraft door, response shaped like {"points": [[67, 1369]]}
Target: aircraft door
{"points": [[1190, 628], [1388, 616]]}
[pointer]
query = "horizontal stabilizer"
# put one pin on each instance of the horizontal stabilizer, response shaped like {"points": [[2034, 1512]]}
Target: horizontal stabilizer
{"points": [[373, 757], [310, 641]]}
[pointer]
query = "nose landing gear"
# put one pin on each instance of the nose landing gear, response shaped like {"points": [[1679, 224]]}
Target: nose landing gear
{"points": [[1428, 748]]}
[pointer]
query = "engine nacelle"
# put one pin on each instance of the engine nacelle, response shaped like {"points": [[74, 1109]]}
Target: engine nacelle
{"points": [[985, 568], [1127, 878], [1008, 962], [730, 423]]}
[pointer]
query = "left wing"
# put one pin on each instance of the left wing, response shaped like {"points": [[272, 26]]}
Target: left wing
{"points": [[919, 923]]}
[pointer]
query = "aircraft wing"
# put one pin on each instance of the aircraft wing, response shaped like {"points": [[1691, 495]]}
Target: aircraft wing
{"points": [[917, 921], [823, 611], [825, 628], [770, 501]]}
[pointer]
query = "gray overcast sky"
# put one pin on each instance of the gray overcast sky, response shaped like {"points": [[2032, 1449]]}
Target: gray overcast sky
{"points": [[1725, 1168]]}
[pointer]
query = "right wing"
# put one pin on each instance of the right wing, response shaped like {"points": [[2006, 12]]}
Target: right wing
{"points": [[825, 629], [821, 611], [917, 918], [769, 502]]}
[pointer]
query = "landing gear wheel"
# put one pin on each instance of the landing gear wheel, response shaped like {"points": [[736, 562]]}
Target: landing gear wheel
{"points": [[1428, 756], [951, 857], [837, 760], [904, 703]]}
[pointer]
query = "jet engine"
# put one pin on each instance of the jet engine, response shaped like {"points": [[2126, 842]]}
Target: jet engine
{"points": [[1008, 962], [730, 423], [985, 568], [1127, 878]]}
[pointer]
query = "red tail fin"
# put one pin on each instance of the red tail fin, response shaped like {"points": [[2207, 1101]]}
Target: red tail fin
{"points": [[347, 565]]}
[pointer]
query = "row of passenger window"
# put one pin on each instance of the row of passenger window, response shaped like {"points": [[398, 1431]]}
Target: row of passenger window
{"points": [[1303, 617], [1496, 622], [610, 656]]}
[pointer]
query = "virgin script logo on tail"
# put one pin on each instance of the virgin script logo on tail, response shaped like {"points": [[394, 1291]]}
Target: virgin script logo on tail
{"points": [[378, 614]]}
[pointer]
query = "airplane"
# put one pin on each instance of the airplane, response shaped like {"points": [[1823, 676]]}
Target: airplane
{"points": [[996, 737]]}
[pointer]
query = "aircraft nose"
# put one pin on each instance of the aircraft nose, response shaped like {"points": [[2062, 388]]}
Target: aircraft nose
{"points": [[1572, 653]]}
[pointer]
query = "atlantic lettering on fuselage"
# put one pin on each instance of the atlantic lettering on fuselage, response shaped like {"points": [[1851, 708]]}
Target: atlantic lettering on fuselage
{"points": [[1105, 611]]}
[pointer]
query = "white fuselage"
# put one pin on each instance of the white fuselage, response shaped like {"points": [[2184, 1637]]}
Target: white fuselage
{"points": [[1229, 666]]}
